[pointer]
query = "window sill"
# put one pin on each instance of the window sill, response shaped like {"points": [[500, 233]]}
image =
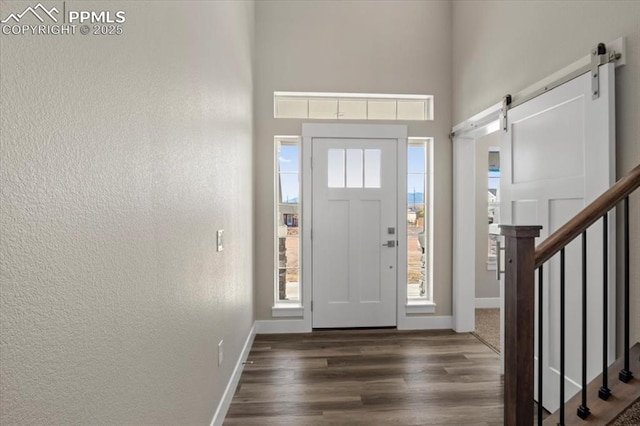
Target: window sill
{"points": [[287, 310], [420, 306]]}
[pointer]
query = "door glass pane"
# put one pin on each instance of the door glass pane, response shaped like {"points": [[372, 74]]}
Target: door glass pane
{"points": [[372, 168], [354, 168], [335, 168]]}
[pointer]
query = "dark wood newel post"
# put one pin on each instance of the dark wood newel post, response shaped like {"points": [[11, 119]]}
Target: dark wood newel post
{"points": [[519, 300]]}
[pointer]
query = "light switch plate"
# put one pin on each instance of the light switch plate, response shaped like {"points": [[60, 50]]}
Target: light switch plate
{"points": [[219, 240]]}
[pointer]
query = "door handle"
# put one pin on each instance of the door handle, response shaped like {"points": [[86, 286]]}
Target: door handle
{"points": [[390, 243], [499, 249]]}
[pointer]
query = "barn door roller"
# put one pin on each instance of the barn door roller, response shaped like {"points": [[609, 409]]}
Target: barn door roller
{"points": [[599, 56]]}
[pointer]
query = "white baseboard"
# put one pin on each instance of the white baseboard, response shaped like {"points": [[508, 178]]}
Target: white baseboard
{"points": [[282, 326], [426, 323], [230, 390], [487, 302], [408, 323]]}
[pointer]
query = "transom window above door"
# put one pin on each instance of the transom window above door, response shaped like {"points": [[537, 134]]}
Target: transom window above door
{"points": [[352, 106]]}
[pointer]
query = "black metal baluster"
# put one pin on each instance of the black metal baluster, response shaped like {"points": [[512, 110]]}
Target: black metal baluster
{"points": [[562, 314], [605, 392], [625, 374], [583, 409], [540, 317]]}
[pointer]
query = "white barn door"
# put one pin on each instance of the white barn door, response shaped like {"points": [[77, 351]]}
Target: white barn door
{"points": [[559, 153]]}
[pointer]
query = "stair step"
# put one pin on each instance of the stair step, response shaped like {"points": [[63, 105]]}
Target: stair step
{"points": [[604, 412]]}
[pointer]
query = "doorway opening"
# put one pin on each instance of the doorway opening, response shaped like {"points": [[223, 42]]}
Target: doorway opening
{"points": [[487, 237]]}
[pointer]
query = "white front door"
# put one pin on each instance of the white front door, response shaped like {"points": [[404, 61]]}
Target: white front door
{"points": [[558, 157], [354, 232]]}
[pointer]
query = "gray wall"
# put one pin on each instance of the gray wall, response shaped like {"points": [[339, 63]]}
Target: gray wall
{"points": [[352, 46], [120, 158], [502, 47]]}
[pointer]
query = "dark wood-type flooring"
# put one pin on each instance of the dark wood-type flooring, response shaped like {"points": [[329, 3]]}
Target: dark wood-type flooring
{"points": [[369, 377]]}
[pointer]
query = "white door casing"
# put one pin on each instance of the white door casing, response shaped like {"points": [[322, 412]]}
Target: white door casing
{"points": [[559, 153], [354, 232]]}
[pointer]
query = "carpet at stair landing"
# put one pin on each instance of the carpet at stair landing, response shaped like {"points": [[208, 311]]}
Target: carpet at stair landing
{"points": [[488, 327], [629, 417]]}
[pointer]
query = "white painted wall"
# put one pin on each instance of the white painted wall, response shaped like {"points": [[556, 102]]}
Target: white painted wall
{"points": [[352, 46], [502, 47], [120, 157]]}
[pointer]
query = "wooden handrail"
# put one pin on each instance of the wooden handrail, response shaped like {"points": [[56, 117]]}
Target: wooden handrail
{"points": [[570, 230]]}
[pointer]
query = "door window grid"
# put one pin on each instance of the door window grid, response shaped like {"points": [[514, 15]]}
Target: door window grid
{"points": [[353, 168], [287, 194], [418, 219]]}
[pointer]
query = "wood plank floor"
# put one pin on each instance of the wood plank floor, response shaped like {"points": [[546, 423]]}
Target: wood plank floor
{"points": [[372, 377]]}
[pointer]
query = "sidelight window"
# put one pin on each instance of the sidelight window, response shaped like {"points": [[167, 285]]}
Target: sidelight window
{"points": [[287, 194], [419, 219]]}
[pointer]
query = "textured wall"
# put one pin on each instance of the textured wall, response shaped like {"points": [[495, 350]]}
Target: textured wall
{"points": [[352, 46], [502, 47], [120, 157]]}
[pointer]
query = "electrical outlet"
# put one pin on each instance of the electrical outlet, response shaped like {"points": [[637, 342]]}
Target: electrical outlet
{"points": [[220, 353], [219, 240]]}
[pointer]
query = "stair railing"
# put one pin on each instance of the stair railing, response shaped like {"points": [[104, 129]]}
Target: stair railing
{"points": [[522, 259]]}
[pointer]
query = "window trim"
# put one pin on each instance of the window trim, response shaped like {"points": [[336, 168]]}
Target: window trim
{"points": [[428, 102], [286, 308], [420, 306], [424, 304], [408, 310]]}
